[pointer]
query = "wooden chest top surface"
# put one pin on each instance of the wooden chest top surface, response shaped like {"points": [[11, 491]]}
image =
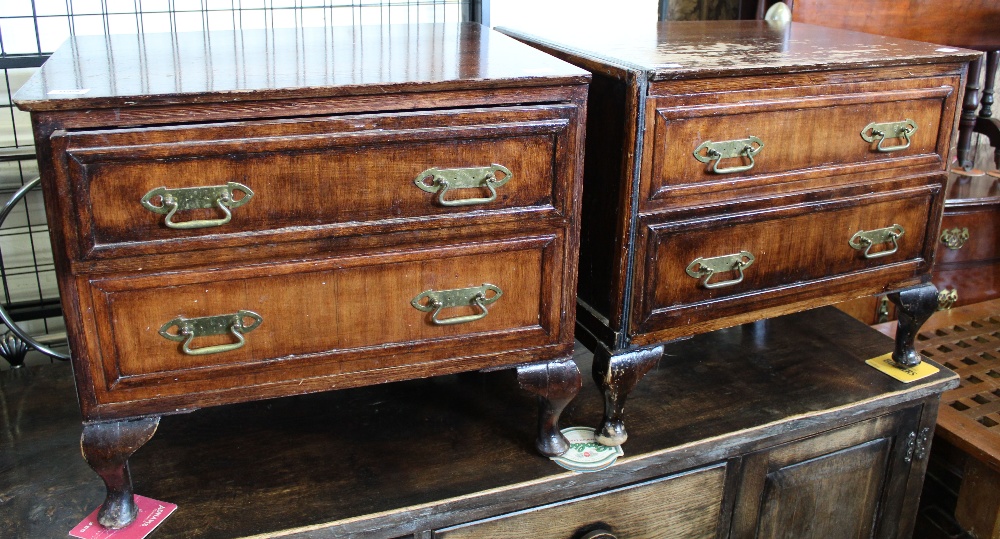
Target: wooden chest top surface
{"points": [[250, 65], [697, 49]]}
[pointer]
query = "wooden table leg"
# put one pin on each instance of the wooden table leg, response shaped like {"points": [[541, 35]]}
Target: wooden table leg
{"points": [[913, 307], [985, 123], [617, 375], [978, 507], [556, 383], [967, 123], [107, 447]]}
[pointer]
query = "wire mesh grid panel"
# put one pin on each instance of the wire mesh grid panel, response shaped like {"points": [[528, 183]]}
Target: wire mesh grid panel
{"points": [[30, 30]]}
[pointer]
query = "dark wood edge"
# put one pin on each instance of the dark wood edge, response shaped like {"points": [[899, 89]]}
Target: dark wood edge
{"points": [[627, 471], [294, 93]]}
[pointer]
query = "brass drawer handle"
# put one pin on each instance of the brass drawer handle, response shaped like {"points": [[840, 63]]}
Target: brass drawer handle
{"points": [[866, 239], [947, 299], [955, 238], [197, 198], [443, 180], [705, 268], [438, 300], [882, 131], [717, 151], [190, 328]]}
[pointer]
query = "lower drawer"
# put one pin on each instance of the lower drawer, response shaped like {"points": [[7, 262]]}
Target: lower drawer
{"points": [[684, 506], [709, 268], [175, 334], [969, 235]]}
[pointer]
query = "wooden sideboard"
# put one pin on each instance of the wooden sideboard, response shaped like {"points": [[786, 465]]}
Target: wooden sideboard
{"points": [[254, 214], [739, 170], [773, 429]]}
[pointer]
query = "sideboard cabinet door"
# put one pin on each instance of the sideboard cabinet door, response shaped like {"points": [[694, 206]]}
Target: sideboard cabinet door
{"points": [[845, 483]]}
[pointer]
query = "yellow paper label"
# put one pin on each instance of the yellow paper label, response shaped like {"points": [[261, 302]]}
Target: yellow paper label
{"points": [[903, 374]]}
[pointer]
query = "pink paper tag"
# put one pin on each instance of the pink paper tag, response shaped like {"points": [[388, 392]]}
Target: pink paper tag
{"points": [[151, 514]]}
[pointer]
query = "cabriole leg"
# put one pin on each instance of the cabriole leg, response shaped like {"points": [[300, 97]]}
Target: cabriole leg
{"points": [[616, 376], [913, 307], [556, 383], [107, 447]]}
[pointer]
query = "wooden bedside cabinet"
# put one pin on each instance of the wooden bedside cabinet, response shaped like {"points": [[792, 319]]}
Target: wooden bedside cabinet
{"points": [[740, 170], [238, 216]]}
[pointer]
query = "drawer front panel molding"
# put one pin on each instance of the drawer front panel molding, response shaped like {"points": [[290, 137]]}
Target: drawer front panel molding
{"points": [[981, 241], [795, 136], [348, 173], [778, 248], [686, 506], [355, 311]]}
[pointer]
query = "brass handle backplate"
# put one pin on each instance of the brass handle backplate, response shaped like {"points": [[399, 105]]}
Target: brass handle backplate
{"points": [[197, 198], [442, 180], [866, 239], [709, 151], [705, 268], [955, 238], [435, 301], [889, 130], [190, 328]]}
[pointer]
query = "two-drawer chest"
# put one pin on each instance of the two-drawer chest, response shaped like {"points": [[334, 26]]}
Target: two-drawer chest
{"points": [[245, 215], [740, 170]]}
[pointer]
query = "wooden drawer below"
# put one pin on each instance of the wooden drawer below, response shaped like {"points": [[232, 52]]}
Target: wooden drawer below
{"points": [[685, 506], [969, 235], [314, 177], [334, 317], [798, 251]]}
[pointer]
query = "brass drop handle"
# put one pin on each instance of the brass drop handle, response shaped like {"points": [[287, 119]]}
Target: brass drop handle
{"points": [[889, 130], [190, 328], [443, 180], [709, 151], [955, 238], [947, 299], [866, 239], [435, 301], [599, 533], [705, 268], [196, 198]]}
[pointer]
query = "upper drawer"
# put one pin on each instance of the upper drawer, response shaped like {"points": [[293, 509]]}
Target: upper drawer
{"points": [[704, 269], [710, 143], [180, 333], [313, 177], [685, 506]]}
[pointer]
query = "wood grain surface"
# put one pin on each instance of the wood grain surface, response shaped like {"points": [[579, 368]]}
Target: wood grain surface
{"points": [[254, 64], [698, 49], [963, 23], [405, 458]]}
